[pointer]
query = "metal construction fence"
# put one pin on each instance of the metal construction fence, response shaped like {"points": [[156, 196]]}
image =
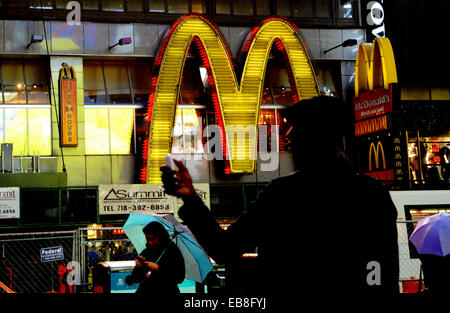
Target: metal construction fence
{"points": [[46, 261], [31, 262]]}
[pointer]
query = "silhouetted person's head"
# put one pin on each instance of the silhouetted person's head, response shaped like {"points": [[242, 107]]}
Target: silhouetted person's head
{"points": [[319, 125], [156, 235]]}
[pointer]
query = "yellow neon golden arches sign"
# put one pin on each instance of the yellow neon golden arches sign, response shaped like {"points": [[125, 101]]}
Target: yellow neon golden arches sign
{"points": [[375, 66], [236, 105]]}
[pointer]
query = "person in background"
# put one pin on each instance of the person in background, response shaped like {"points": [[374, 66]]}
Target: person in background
{"points": [[324, 230], [160, 267]]}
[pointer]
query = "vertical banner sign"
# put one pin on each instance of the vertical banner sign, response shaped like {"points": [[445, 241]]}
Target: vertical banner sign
{"points": [[10, 202], [68, 106]]}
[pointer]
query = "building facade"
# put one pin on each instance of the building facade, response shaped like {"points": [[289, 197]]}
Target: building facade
{"points": [[111, 46]]}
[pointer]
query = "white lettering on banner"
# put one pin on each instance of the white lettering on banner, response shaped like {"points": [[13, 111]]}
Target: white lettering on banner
{"points": [[371, 103], [9, 202], [124, 199]]}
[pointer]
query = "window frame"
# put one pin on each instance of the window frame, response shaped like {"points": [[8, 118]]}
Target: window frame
{"points": [[26, 106]]}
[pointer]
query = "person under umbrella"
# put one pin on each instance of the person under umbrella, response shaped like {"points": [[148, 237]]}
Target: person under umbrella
{"points": [[160, 267]]}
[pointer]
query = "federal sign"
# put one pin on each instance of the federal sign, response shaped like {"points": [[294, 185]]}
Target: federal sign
{"points": [[127, 198], [52, 254], [9, 202]]}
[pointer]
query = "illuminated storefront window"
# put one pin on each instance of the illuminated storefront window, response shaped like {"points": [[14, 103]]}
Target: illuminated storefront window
{"points": [[188, 130], [115, 94], [25, 119], [429, 160]]}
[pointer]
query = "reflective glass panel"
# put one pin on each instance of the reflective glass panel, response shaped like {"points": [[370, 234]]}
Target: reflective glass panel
{"points": [[113, 5], [141, 80], [90, 4], [96, 123], [281, 88], [243, 7], [94, 86], [121, 127], [117, 85], [323, 8], [223, 7], [156, 6], [303, 8], [13, 81], [39, 4], [346, 10], [134, 5], [198, 6], [262, 7], [36, 76], [1, 126], [283, 7], [177, 6], [16, 130], [39, 129]]}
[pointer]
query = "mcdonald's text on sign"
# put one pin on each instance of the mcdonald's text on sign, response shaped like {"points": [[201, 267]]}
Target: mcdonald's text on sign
{"points": [[373, 103]]}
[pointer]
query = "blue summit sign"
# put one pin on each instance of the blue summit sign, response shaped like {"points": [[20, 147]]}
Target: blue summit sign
{"points": [[52, 254]]}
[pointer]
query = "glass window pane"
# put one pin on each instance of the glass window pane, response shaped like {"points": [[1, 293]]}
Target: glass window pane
{"points": [[16, 130], [61, 4], [13, 81], [122, 121], [90, 4], [39, 129], [223, 6], [17, 4], [323, 8], [279, 80], [117, 84], [192, 131], [243, 7], [198, 6], [303, 8], [1, 126], [94, 86], [38, 4], [177, 132], [156, 6], [283, 130], [191, 83], [134, 5], [325, 79], [177, 6], [346, 10], [283, 7], [112, 5], [267, 118], [96, 125], [141, 80], [36, 76], [262, 7]]}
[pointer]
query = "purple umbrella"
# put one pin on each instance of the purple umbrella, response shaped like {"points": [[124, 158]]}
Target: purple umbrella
{"points": [[432, 235]]}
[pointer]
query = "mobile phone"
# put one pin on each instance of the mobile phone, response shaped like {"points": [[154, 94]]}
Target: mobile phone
{"points": [[169, 162]]}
